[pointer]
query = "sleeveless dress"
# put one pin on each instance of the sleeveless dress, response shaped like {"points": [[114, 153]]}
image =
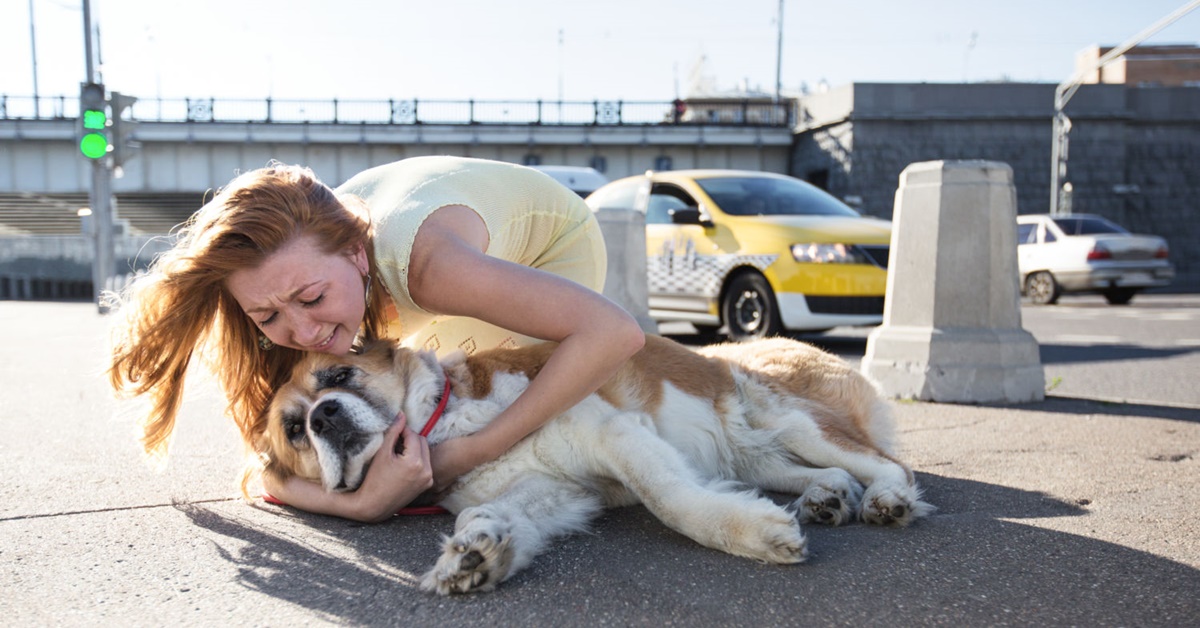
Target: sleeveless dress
{"points": [[531, 220]]}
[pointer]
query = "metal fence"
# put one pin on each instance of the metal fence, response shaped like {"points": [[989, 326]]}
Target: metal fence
{"points": [[715, 112]]}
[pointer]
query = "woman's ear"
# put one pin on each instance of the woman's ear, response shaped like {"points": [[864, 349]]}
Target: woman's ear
{"points": [[359, 256]]}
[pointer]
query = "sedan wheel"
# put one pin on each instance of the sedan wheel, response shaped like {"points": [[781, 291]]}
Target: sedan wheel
{"points": [[749, 309], [1041, 288]]}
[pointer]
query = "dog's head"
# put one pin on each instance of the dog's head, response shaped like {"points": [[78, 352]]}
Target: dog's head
{"points": [[327, 422]]}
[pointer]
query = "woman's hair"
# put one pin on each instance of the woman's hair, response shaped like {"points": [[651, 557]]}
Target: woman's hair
{"points": [[182, 306]]}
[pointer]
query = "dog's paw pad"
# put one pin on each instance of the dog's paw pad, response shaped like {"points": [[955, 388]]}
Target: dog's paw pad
{"points": [[893, 507], [470, 562], [822, 505]]}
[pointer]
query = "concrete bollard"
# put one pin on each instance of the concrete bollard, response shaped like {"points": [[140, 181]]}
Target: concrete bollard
{"points": [[625, 242], [952, 321]]}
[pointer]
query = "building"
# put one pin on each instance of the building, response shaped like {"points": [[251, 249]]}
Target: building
{"points": [[1173, 65]]}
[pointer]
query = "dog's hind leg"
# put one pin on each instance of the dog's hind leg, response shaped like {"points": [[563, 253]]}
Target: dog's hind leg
{"points": [[497, 539], [738, 522], [891, 496]]}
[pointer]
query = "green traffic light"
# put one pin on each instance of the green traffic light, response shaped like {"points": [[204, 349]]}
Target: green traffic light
{"points": [[93, 145], [95, 119]]}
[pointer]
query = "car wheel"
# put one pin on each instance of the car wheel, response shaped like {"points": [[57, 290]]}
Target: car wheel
{"points": [[1119, 296], [1041, 288], [749, 309]]}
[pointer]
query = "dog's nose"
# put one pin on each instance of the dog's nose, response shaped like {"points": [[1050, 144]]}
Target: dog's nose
{"points": [[323, 414]]}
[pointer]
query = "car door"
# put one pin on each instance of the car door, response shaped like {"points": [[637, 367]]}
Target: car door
{"points": [[1038, 250], [678, 280]]}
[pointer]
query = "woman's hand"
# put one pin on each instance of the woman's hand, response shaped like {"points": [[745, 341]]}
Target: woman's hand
{"points": [[395, 479]]}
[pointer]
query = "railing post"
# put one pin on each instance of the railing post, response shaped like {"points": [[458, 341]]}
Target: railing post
{"points": [[539, 112], [471, 111], [595, 112], [268, 109], [416, 113], [335, 111], [391, 111], [620, 112]]}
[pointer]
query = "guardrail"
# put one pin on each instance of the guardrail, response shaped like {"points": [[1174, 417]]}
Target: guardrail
{"points": [[709, 112]]}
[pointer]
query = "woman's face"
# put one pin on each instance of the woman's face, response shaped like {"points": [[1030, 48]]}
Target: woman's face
{"points": [[304, 298]]}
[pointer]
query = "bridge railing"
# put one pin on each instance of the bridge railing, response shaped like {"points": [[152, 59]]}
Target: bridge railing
{"points": [[707, 111]]}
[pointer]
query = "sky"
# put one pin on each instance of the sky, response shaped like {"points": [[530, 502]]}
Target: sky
{"points": [[633, 50]]}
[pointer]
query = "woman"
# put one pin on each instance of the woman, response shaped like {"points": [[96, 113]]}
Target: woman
{"points": [[447, 253]]}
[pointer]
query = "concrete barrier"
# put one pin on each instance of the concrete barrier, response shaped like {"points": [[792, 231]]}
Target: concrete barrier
{"points": [[625, 241], [952, 321]]}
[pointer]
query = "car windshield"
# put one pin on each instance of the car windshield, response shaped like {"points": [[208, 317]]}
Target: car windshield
{"points": [[770, 196], [1077, 225]]}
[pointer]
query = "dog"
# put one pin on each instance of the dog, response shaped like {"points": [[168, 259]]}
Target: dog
{"points": [[693, 435]]}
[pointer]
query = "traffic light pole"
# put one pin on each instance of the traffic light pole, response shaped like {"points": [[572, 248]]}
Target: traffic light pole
{"points": [[100, 200], [100, 194]]}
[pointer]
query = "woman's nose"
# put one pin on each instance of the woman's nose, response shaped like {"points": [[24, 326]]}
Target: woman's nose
{"points": [[305, 330]]}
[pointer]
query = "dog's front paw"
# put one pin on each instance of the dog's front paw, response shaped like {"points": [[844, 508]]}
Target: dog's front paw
{"points": [[473, 560], [893, 505]]}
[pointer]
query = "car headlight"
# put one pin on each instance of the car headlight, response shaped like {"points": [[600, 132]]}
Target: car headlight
{"points": [[816, 253]]}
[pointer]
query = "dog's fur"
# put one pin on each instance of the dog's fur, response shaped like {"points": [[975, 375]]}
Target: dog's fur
{"points": [[686, 433]]}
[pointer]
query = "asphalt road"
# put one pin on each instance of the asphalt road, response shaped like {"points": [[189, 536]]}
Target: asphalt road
{"points": [[1079, 510]]}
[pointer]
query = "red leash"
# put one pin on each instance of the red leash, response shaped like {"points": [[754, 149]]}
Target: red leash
{"points": [[425, 431]]}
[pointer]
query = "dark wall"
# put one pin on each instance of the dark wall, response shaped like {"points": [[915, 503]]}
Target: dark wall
{"points": [[1134, 153]]}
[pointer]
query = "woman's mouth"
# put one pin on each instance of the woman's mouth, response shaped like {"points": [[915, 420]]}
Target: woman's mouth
{"points": [[326, 343]]}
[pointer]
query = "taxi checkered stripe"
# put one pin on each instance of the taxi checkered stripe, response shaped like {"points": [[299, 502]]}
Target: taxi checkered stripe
{"points": [[697, 274]]}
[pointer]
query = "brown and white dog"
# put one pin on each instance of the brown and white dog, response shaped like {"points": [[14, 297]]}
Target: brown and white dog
{"points": [[684, 432]]}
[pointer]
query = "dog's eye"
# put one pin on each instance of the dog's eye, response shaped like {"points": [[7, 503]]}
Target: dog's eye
{"points": [[293, 428], [336, 377]]}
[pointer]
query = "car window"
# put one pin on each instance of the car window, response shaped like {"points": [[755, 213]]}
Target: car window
{"points": [[771, 196], [1027, 234], [1087, 225], [663, 198], [1047, 234], [620, 194]]}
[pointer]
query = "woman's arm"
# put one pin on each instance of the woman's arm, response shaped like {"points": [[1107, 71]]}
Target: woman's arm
{"points": [[392, 481], [450, 274]]}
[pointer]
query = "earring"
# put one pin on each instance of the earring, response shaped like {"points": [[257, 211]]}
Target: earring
{"points": [[367, 296], [265, 343]]}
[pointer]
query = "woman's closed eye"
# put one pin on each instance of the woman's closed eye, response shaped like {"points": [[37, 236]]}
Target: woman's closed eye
{"points": [[313, 303], [268, 320]]}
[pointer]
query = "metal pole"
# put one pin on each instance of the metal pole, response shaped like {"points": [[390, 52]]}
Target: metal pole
{"points": [[100, 194], [100, 199], [90, 74], [33, 49], [779, 55]]}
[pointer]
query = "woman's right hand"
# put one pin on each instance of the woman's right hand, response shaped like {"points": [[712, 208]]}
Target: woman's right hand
{"points": [[394, 479]]}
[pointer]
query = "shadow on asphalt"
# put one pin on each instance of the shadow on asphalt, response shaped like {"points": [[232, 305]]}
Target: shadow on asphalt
{"points": [[1060, 404], [1070, 354], [967, 562]]}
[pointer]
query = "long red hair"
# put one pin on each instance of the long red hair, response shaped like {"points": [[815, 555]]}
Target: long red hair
{"points": [[181, 307]]}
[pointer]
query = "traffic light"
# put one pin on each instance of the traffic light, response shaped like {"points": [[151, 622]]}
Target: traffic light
{"points": [[123, 143], [93, 118]]}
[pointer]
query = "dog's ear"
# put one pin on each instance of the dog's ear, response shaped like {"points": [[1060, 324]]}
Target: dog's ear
{"points": [[384, 347]]}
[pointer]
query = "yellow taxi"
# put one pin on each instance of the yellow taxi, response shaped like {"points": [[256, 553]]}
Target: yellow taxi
{"points": [[756, 253]]}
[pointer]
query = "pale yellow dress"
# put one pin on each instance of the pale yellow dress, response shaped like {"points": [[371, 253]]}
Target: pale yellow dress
{"points": [[531, 220]]}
